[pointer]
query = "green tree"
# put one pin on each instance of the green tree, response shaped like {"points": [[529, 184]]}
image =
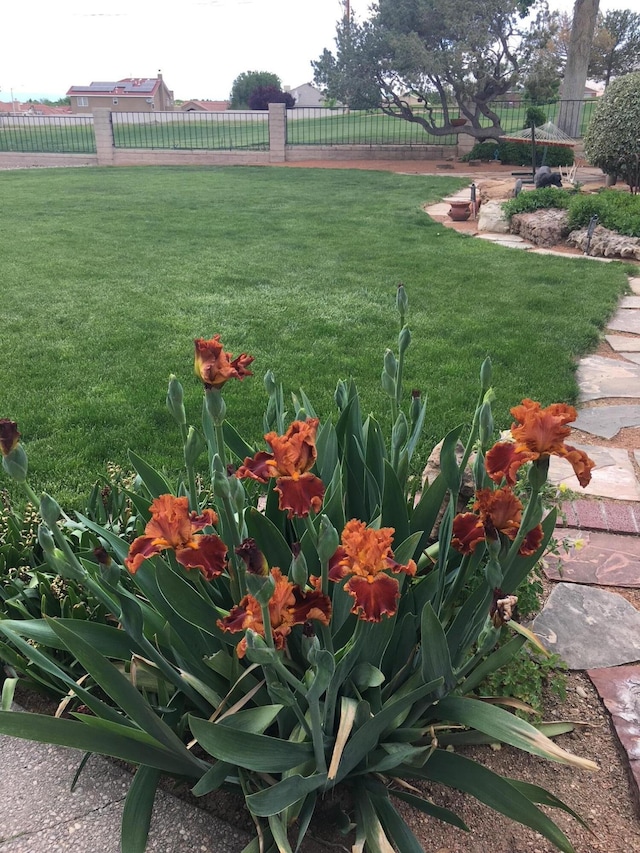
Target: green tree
{"points": [[616, 45], [612, 141], [246, 83], [460, 54]]}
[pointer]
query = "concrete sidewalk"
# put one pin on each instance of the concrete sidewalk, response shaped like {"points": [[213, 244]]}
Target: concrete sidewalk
{"points": [[39, 814]]}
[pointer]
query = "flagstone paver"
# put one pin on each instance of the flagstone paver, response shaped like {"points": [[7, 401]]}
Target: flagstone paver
{"points": [[623, 343], [589, 627], [614, 474], [604, 559], [625, 320], [600, 377], [630, 302], [607, 421], [605, 516], [634, 284], [619, 689]]}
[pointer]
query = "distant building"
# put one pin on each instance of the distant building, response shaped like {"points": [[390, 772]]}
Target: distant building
{"points": [[132, 94], [307, 95], [204, 106], [31, 109]]}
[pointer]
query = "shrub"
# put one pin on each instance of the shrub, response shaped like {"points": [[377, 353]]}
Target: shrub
{"points": [[527, 202], [261, 97], [534, 116], [519, 153], [615, 210], [612, 141]]}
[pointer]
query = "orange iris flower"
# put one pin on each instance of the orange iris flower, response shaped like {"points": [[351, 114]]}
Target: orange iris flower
{"points": [[538, 434], [288, 606], [9, 436], [173, 527], [215, 366], [496, 512], [294, 454], [365, 557]]}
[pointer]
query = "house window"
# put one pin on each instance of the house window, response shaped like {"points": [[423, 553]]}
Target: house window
{"points": [[115, 102], [83, 102]]}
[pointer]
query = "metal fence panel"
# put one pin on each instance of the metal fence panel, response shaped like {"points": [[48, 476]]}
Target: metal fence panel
{"points": [[340, 126], [191, 131], [47, 134]]}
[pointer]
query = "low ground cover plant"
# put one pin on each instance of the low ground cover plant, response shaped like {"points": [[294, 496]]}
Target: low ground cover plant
{"points": [[297, 619]]}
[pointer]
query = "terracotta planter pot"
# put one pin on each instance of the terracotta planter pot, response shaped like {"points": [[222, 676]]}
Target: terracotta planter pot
{"points": [[459, 211], [458, 122]]}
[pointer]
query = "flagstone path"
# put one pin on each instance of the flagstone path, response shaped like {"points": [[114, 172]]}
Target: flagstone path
{"points": [[590, 627]]}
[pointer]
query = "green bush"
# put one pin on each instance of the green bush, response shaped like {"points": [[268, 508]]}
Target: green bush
{"points": [[612, 141], [527, 202], [519, 153], [535, 116], [615, 210]]}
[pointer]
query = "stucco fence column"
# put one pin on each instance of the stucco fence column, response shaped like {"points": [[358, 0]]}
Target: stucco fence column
{"points": [[103, 131], [277, 132]]}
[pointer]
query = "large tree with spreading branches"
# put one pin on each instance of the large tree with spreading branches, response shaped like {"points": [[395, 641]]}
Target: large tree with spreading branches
{"points": [[451, 59]]}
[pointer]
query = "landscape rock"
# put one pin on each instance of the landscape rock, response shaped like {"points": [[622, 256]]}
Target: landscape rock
{"points": [[543, 227], [492, 218], [606, 244], [589, 628], [467, 486], [492, 189]]}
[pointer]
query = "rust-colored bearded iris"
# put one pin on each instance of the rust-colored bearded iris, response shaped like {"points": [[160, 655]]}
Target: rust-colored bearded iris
{"points": [[365, 557], [495, 512], [9, 436], [173, 527], [214, 366], [538, 434], [288, 606], [294, 454]]}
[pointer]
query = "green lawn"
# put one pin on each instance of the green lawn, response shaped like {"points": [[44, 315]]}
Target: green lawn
{"points": [[108, 274]]}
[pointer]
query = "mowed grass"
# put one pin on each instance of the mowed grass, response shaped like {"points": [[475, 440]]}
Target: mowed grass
{"points": [[108, 274]]}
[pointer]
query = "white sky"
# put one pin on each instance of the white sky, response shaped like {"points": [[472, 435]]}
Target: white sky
{"points": [[200, 45]]}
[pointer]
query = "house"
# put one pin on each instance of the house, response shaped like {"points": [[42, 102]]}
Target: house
{"points": [[307, 95], [204, 106], [132, 94], [31, 108]]}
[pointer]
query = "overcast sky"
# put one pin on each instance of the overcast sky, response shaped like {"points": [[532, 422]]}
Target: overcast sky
{"points": [[199, 45]]}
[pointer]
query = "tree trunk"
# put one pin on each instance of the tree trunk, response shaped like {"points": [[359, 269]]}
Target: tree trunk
{"points": [[585, 13]]}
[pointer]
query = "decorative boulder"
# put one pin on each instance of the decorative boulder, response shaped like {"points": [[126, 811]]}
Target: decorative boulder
{"points": [[492, 189], [492, 218], [467, 487]]}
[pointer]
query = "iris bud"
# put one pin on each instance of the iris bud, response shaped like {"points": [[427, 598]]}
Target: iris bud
{"points": [[486, 424], [49, 510], [299, 573], [485, 374], [416, 405], [404, 339], [402, 301], [328, 540], [193, 447], [400, 431], [175, 401], [388, 384], [390, 364], [216, 405], [220, 484], [270, 383], [15, 464]]}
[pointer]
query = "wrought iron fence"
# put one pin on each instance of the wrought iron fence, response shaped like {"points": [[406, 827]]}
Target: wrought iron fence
{"points": [[192, 130], [572, 117], [341, 126], [47, 134]]}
